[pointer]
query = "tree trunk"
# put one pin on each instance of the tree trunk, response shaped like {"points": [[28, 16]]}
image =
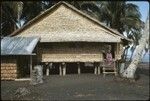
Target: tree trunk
{"points": [[122, 66], [130, 71], [126, 54], [132, 55]]}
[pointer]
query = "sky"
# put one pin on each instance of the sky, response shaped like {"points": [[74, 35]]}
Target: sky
{"points": [[143, 7]]}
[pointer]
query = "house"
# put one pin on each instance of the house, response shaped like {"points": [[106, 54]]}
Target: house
{"points": [[68, 35]]}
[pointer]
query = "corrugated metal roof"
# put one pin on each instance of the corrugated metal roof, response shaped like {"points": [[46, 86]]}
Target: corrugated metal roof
{"points": [[18, 45]]}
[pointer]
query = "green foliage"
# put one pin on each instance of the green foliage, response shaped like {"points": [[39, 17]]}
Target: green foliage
{"points": [[11, 13]]}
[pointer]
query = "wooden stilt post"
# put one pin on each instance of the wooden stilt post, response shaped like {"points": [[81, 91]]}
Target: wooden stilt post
{"points": [[47, 70], [30, 66], [50, 66], [60, 70], [95, 69], [99, 71], [116, 62], [79, 70], [104, 73], [64, 68]]}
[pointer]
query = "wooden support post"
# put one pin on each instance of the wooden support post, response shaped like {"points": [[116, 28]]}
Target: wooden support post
{"points": [[60, 70], [115, 70], [99, 71], [104, 72], [64, 68], [30, 66], [117, 51], [79, 70], [47, 70], [95, 69], [116, 60], [51, 64]]}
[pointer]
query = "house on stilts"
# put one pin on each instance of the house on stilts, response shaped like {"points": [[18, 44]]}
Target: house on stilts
{"points": [[63, 35]]}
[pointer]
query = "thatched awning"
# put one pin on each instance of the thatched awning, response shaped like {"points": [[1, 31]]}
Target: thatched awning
{"points": [[64, 23]]}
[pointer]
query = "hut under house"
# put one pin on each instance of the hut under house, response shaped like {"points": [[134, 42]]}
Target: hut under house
{"points": [[68, 35]]}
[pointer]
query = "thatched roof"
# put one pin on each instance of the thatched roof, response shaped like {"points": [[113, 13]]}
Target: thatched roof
{"points": [[64, 23]]}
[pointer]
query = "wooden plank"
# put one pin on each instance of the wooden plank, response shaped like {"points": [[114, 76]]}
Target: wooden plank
{"points": [[23, 79]]}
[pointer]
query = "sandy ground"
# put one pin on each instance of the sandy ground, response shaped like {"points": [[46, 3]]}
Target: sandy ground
{"points": [[81, 87]]}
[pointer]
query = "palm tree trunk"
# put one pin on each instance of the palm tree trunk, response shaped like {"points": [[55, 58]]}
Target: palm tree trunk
{"points": [[132, 55], [130, 71], [123, 63], [126, 54]]}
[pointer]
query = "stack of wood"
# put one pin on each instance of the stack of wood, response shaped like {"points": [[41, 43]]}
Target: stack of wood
{"points": [[8, 70]]}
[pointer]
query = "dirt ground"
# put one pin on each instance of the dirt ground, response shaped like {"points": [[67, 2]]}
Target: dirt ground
{"points": [[85, 86]]}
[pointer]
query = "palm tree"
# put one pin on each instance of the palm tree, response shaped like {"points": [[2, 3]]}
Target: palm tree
{"points": [[31, 9], [16, 13], [119, 15], [130, 71], [89, 7], [11, 13]]}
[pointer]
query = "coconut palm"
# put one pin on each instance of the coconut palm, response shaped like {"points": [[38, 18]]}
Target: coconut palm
{"points": [[119, 15], [16, 13], [31, 9], [89, 7], [130, 71], [11, 13]]}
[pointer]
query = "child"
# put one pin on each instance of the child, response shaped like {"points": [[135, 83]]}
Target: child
{"points": [[109, 58]]}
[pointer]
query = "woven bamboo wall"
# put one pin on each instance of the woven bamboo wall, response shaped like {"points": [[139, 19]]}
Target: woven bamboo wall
{"points": [[72, 52], [8, 69]]}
